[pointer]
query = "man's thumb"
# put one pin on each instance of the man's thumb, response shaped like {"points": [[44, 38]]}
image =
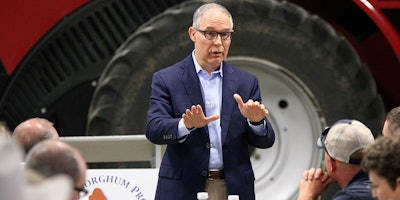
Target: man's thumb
{"points": [[238, 99]]}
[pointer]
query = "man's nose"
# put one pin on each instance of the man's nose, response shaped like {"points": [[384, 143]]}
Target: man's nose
{"points": [[218, 39]]}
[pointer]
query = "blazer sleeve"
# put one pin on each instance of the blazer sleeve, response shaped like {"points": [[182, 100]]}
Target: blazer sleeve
{"points": [[162, 124], [250, 90], [268, 138]]}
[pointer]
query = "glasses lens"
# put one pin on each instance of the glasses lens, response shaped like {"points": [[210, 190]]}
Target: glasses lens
{"points": [[82, 191], [225, 35], [322, 138], [210, 35], [323, 135]]}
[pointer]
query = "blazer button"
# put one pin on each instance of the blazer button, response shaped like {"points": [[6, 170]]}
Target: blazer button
{"points": [[204, 173], [208, 146]]}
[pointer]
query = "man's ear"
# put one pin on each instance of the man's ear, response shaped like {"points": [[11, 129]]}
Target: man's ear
{"points": [[332, 163], [192, 32]]}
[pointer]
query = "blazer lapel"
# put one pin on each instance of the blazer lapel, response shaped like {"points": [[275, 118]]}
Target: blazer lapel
{"points": [[191, 82], [192, 86], [228, 89]]}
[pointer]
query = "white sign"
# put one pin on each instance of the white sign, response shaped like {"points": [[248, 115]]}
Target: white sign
{"points": [[120, 184]]}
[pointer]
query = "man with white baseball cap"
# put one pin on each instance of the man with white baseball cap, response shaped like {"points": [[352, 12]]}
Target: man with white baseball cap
{"points": [[343, 143]]}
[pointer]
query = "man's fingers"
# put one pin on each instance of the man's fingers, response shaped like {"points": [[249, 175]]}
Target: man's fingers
{"points": [[195, 117], [305, 175], [239, 100], [193, 109], [311, 173], [265, 109], [255, 103], [199, 109], [212, 118], [318, 173]]}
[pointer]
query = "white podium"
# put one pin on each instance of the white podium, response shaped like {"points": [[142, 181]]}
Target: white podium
{"points": [[119, 184]]}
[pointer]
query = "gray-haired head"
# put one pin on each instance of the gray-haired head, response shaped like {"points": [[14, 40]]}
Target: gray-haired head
{"points": [[199, 13], [54, 157]]}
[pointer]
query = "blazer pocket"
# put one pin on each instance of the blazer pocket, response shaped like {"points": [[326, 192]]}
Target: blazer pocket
{"points": [[170, 172]]}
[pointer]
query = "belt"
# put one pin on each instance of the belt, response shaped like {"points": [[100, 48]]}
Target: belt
{"points": [[216, 174]]}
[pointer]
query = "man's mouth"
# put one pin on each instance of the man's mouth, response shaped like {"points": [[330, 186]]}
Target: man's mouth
{"points": [[216, 53]]}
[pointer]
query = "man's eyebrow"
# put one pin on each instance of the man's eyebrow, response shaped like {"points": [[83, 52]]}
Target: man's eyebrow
{"points": [[213, 29]]}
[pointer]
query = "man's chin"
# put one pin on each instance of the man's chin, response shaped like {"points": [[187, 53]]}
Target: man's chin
{"points": [[216, 60]]}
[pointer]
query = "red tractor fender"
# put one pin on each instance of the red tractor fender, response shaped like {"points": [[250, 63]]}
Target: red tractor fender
{"points": [[373, 9], [37, 17]]}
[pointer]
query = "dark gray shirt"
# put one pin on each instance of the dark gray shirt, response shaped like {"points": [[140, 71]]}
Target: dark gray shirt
{"points": [[356, 189]]}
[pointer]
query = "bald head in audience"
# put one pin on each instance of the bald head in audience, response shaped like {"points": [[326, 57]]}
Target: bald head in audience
{"points": [[54, 157], [34, 130]]}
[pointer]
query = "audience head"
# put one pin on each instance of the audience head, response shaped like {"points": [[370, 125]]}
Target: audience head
{"points": [[392, 123], [346, 140], [11, 180], [54, 157], [18, 183], [382, 161], [5, 132], [34, 130]]}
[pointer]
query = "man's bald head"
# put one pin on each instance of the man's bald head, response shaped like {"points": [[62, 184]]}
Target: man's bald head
{"points": [[34, 130]]}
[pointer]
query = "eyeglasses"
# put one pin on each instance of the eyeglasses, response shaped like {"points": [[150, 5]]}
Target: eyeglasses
{"points": [[81, 191], [212, 35], [324, 134], [321, 142]]}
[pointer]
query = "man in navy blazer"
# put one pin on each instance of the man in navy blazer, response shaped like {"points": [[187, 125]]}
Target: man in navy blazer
{"points": [[207, 112]]}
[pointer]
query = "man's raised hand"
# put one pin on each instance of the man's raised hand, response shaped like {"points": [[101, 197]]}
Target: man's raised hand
{"points": [[195, 118], [252, 110]]}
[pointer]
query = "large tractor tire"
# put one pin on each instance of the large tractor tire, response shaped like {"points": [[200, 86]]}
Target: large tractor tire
{"points": [[310, 76]]}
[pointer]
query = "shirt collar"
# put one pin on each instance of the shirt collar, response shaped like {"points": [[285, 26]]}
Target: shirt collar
{"points": [[199, 68]]}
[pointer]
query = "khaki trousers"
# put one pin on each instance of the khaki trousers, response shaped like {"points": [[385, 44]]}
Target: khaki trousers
{"points": [[216, 189]]}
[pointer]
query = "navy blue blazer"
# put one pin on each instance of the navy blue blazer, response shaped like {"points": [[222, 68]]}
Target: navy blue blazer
{"points": [[183, 171]]}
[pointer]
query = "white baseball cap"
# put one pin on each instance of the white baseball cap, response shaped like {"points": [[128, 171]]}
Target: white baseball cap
{"points": [[345, 137]]}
